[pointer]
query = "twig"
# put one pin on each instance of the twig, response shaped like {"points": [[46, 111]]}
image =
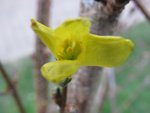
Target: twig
{"points": [[12, 88], [64, 99], [60, 98], [143, 9]]}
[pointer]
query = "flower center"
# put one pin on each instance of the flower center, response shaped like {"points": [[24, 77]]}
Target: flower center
{"points": [[69, 50]]}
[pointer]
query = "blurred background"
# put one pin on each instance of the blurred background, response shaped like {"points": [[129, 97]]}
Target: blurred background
{"points": [[17, 44]]}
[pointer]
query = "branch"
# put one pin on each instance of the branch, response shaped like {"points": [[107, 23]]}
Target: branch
{"points": [[106, 87], [81, 89], [14, 92], [60, 98], [64, 99], [111, 89], [100, 94], [41, 57], [103, 15], [142, 8]]}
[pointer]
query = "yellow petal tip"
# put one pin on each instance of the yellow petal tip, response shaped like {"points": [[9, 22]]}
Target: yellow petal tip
{"points": [[130, 44], [33, 23]]}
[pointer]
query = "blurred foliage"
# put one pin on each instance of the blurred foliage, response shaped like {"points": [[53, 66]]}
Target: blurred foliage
{"points": [[22, 72], [133, 79]]}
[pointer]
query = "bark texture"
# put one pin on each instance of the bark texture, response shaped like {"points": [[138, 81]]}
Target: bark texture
{"points": [[41, 57], [103, 15]]}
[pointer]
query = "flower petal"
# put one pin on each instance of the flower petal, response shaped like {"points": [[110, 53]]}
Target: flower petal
{"points": [[57, 71], [45, 34], [107, 51], [73, 28]]}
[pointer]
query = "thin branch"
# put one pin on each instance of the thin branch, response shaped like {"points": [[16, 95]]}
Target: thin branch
{"points": [[143, 9], [60, 98], [64, 99], [12, 88]]}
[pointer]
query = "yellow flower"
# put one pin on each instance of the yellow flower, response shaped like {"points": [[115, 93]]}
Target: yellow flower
{"points": [[73, 46]]}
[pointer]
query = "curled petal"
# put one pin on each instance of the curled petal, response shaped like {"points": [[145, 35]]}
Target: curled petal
{"points": [[57, 71], [45, 34]]}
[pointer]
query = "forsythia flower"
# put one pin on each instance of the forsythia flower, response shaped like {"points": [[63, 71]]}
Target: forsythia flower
{"points": [[73, 46]]}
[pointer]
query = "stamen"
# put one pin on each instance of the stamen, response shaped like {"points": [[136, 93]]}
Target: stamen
{"points": [[69, 50]]}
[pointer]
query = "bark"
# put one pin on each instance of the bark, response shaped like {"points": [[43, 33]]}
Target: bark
{"points": [[101, 93], [103, 15], [82, 88], [111, 89], [41, 57], [64, 98]]}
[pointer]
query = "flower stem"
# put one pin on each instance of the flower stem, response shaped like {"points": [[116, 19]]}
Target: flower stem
{"points": [[60, 98], [64, 99]]}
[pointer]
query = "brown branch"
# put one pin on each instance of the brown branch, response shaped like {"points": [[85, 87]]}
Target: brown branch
{"points": [[111, 89], [104, 17], [60, 98], [101, 94], [143, 9], [14, 92], [82, 88], [64, 99], [41, 57]]}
